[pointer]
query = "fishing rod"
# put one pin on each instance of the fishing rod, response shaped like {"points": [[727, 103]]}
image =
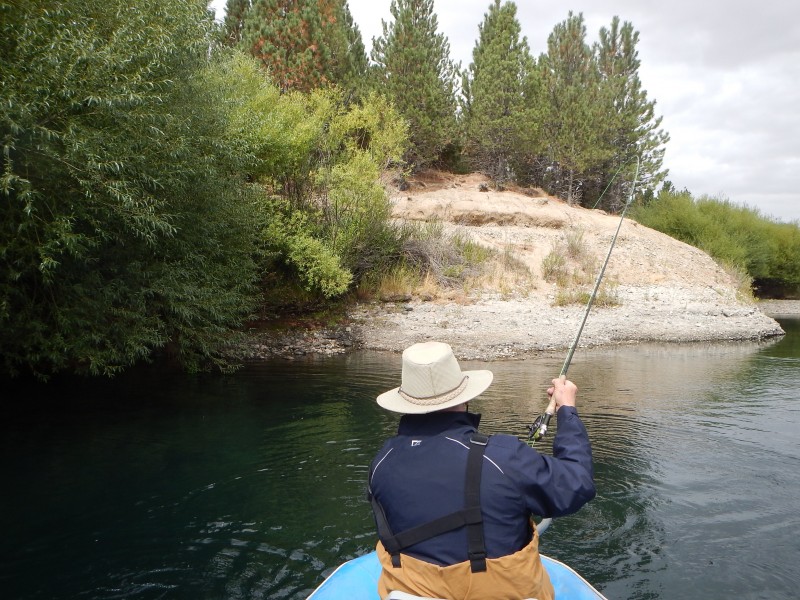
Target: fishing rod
{"points": [[539, 426]]}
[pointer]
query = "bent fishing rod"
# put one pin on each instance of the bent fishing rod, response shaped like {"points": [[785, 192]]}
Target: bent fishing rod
{"points": [[539, 426]]}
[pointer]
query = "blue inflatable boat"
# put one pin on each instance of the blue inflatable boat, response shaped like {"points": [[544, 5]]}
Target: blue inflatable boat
{"points": [[357, 579]]}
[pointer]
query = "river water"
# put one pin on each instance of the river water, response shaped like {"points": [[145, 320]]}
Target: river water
{"points": [[157, 485]]}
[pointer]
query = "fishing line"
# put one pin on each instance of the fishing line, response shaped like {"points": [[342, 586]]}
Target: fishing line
{"points": [[610, 183], [539, 426]]}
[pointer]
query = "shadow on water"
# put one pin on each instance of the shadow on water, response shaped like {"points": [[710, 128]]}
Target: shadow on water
{"points": [[158, 485]]}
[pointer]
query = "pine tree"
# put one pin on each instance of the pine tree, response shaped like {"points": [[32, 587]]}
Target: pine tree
{"points": [[414, 69], [632, 130], [573, 126], [233, 25], [290, 38], [352, 60], [499, 123], [306, 44]]}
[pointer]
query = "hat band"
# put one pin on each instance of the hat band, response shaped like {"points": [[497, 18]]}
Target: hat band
{"points": [[439, 398]]}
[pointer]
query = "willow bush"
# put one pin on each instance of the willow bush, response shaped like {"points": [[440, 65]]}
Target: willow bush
{"points": [[124, 228], [738, 237]]}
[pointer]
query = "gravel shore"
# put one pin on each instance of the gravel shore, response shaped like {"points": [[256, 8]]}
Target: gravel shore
{"points": [[666, 291], [493, 328], [780, 308]]}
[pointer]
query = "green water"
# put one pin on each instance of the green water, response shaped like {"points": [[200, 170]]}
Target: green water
{"points": [[157, 485]]}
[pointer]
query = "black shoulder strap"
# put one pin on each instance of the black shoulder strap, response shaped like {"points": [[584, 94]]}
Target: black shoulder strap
{"points": [[472, 499], [469, 516]]}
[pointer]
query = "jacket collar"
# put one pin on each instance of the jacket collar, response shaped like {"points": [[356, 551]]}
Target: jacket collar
{"points": [[438, 422]]}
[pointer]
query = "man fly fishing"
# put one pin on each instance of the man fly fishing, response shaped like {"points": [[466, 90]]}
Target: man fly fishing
{"points": [[453, 507]]}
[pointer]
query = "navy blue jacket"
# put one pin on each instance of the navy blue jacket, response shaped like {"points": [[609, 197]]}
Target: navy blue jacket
{"points": [[419, 475]]}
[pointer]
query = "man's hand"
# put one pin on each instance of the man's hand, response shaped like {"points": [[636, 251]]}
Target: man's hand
{"points": [[564, 392]]}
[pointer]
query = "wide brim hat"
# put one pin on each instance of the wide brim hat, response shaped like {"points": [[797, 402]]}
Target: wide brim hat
{"points": [[432, 380]]}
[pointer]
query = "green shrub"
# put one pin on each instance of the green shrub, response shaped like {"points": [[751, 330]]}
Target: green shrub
{"points": [[735, 236], [124, 227]]}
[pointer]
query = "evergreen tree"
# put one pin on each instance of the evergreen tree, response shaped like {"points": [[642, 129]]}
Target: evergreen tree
{"points": [[631, 128], [349, 54], [499, 122], [574, 122], [414, 69], [305, 44], [233, 25], [288, 37]]}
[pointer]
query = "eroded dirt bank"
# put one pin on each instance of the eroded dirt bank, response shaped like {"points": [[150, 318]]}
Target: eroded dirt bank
{"points": [[667, 291]]}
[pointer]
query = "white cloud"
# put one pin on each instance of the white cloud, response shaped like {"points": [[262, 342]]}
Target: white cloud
{"points": [[218, 6]]}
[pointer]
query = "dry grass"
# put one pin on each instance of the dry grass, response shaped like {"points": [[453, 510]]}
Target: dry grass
{"points": [[606, 296], [741, 281], [505, 274], [573, 269], [450, 266]]}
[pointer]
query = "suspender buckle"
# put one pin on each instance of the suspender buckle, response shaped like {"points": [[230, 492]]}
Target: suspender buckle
{"points": [[477, 561], [479, 439]]}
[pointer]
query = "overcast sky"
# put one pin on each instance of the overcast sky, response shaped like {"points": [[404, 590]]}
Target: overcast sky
{"points": [[725, 76]]}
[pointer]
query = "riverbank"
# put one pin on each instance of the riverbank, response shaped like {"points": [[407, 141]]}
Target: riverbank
{"points": [[665, 290], [780, 308], [495, 328]]}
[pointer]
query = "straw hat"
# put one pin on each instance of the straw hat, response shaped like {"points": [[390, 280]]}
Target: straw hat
{"points": [[432, 380]]}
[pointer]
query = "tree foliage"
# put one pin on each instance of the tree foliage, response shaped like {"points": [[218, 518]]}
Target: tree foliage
{"points": [[596, 119], [631, 127], [413, 68], [353, 66], [122, 230], [233, 24], [288, 37], [305, 44], [500, 121], [573, 122], [315, 160]]}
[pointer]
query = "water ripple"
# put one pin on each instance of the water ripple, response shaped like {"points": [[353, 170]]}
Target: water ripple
{"points": [[252, 486]]}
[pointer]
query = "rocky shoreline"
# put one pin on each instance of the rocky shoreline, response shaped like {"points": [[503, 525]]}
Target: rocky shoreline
{"points": [[494, 328], [666, 290]]}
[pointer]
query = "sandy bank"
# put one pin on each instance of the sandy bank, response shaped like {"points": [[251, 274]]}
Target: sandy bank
{"points": [[495, 328], [667, 291]]}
